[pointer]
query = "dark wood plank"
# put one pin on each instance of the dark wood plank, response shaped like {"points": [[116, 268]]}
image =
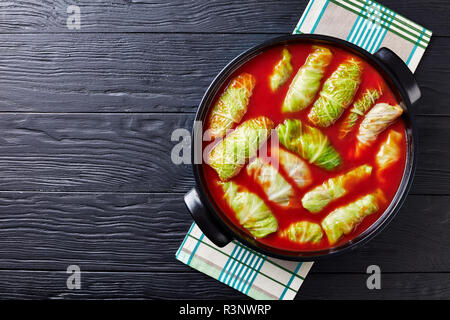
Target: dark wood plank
{"points": [[91, 152], [433, 172], [113, 285], [262, 16], [141, 232], [147, 72], [112, 72], [96, 231], [132, 153], [431, 85], [143, 285]]}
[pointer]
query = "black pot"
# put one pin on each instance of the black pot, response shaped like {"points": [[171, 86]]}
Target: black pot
{"points": [[217, 227]]}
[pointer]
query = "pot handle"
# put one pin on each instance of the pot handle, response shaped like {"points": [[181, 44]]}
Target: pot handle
{"points": [[204, 219], [401, 71]]}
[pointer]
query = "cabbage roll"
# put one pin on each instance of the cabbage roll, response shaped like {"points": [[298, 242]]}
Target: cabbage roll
{"points": [[229, 155], [271, 181], [251, 211], [281, 72], [295, 167], [303, 232], [390, 151], [381, 116], [337, 93], [306, 82], [344, 219], [334, 188], [232, 105], [360, 107], [309, 143]]}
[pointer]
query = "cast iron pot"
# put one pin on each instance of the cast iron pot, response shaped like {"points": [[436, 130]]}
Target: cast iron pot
{"points": [[214, 223]]}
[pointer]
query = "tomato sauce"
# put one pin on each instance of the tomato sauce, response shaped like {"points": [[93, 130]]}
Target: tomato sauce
{"points": [[264, 102]]}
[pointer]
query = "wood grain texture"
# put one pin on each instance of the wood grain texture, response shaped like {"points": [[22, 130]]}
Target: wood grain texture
{"points": [[114, 285], [83, 152], [394, 286], [161, 285], [241, 16], [86, 178], [147, 72], [112, 72], [96, 231], [132, 153], [141, 232]]}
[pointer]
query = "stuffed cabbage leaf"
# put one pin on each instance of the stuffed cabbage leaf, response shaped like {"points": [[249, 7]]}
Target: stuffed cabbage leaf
{"points": [[303, 232], [306, 83], [251, 211], [282, 71], [232, 105], [334, 188], [229, 155], [295, 167], [390, 151], [337, 93], [344, 219], [381, 116], [309, 143], [271, 181], [360, 107]]}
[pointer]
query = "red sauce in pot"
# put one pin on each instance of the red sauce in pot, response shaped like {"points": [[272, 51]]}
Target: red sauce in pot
{"points": [[264, 102]]}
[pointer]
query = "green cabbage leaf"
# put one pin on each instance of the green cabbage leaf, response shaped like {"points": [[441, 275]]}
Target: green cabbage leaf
{"points": [[344, 219], [229, 155], [334, 188], [232, 105], [296, 168], [271, 181], [309, 143], [282, 71], [251, 211], [360, 107], [381, 116], [303, 232], [337, 93], [306, 82]]}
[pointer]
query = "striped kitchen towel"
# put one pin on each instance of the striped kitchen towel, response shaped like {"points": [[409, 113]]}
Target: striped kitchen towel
{"points": [[366, 24], [243, 269]]}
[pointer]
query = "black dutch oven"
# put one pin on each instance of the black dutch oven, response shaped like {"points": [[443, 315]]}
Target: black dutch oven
{"points": [[214, 223]]}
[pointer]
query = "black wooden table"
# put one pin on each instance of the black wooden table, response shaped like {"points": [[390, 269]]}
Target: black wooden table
{"points": [[85, 143]]}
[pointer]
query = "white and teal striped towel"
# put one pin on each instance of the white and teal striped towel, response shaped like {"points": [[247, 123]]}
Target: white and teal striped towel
{"points": [[366, 24]]}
